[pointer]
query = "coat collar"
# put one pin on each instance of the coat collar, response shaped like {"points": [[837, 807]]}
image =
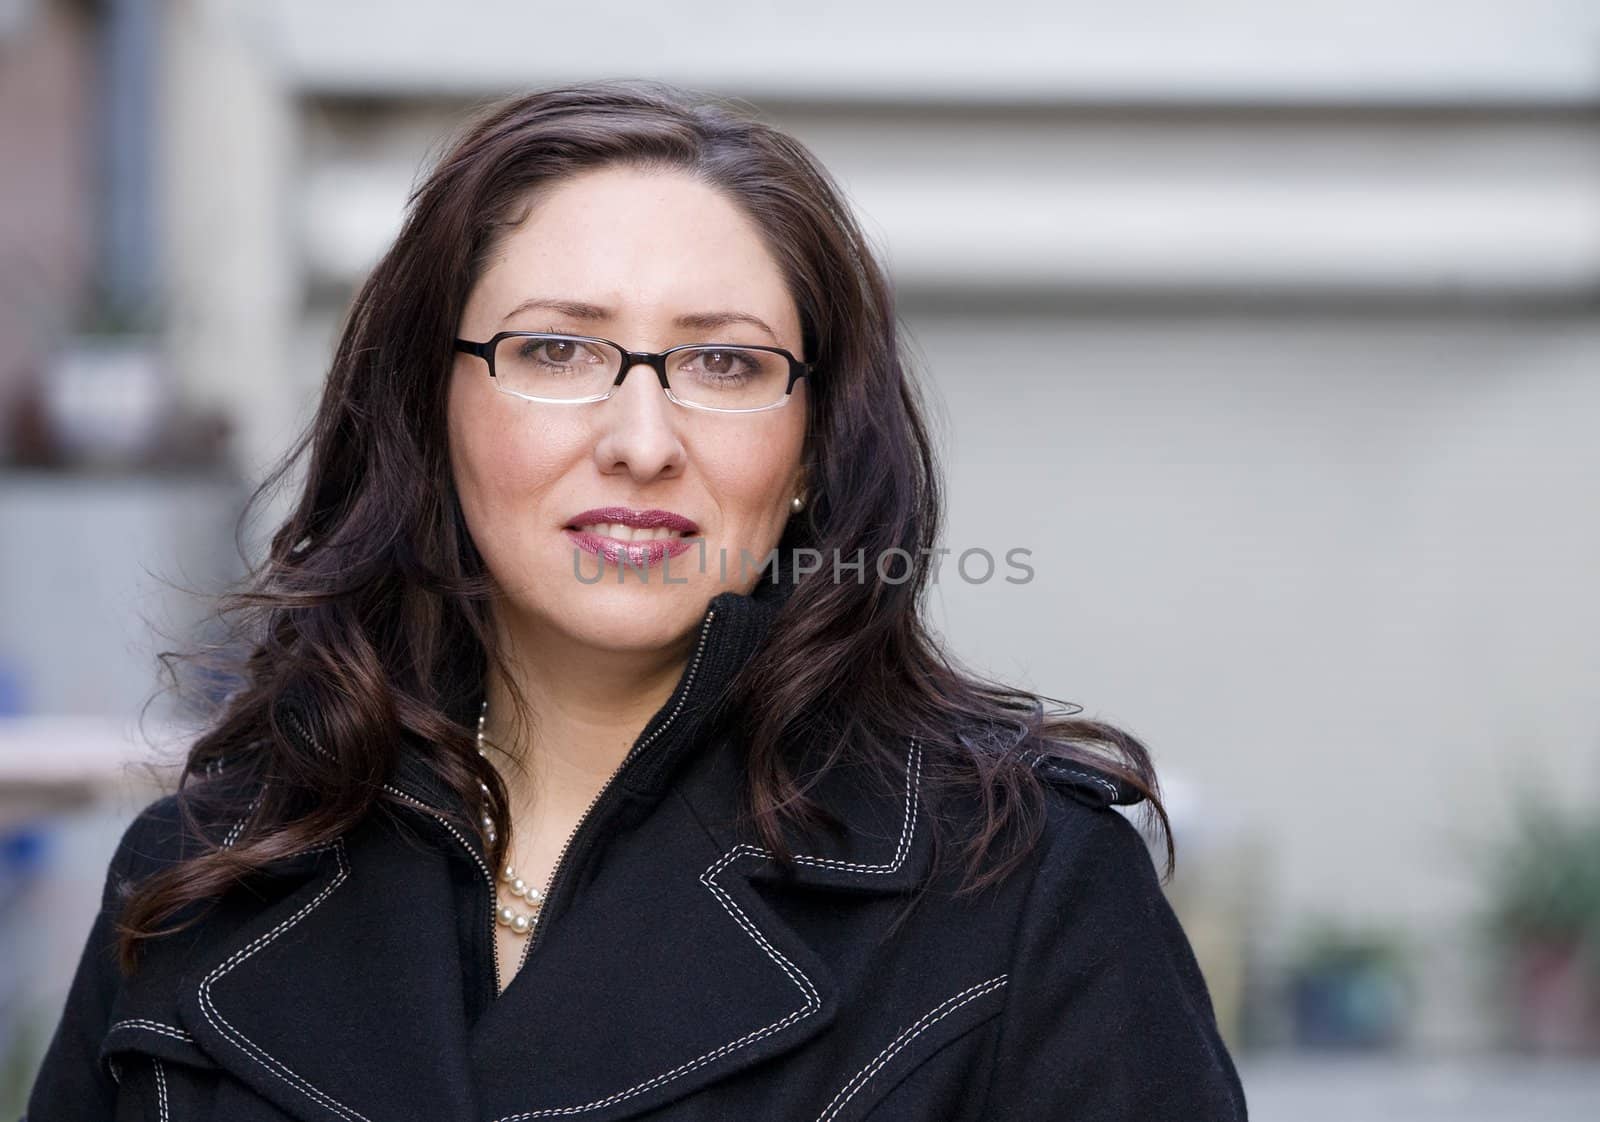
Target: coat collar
{"points": [[733, 628], [672, 966]]}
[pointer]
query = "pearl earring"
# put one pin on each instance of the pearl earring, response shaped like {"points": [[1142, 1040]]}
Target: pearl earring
{"points": [[797, 504]]}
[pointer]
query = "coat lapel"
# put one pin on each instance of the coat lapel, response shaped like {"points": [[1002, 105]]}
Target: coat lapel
{"points": [[649, 987], [342, 1001], [667, 976], [885, 847]]}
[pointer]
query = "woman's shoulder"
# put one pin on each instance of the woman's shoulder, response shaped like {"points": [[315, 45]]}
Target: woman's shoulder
{"points": [[1094, 854], [1106, 993], [1087, 819], [1089, 846]]}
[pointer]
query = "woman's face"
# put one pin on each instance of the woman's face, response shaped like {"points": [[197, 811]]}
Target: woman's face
{"points": [[640, 249]]}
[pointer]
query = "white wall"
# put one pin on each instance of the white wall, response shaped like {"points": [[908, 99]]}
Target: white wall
{"points": [[98, 575], [1338, 572]]}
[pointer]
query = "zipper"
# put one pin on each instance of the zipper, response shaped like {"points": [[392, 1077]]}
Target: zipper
{"points": [[633, 754], [483, 866]]}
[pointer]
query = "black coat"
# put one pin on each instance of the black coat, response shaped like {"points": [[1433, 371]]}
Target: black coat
{"points": [[676, 975]]}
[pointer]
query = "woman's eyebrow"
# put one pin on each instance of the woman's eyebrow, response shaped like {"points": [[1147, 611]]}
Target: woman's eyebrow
{"points": [[698, 321]]}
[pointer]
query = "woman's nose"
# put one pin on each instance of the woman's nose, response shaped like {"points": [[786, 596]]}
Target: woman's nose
{"points": [[638, 429]]}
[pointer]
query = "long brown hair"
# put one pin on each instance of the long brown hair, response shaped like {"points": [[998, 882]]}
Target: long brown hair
{"points": [[370, 610]]}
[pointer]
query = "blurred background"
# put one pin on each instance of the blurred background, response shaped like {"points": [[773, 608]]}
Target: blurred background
{"points": [[1299, 313]]}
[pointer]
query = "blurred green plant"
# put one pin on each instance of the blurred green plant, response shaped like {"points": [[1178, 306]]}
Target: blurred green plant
{"points": [[1541, 921], [1544, 880]]}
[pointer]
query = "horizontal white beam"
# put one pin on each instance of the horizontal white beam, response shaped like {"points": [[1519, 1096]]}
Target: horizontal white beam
{"points": [[977, 230], [1163, 50]]}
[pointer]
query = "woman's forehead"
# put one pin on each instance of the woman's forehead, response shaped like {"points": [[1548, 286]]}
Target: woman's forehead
{"points": [[622, 249]]}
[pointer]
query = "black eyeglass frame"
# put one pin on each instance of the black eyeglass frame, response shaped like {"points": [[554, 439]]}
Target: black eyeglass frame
{"points": [[656, 360]]}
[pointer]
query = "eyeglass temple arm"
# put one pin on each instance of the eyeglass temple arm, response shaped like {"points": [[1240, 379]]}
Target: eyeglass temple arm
{"points": [[471, 348]]}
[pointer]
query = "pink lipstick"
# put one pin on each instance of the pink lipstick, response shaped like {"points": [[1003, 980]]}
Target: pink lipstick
{"points": [[609, 532]]}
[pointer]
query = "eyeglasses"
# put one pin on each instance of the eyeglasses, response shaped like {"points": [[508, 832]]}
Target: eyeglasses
{"points": [[574, 369]]}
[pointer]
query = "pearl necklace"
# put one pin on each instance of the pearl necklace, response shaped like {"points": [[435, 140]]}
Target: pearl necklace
{"points": [[505, 914]]}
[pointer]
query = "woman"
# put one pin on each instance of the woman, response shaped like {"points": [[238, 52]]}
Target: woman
{"points": [[563, 778]]}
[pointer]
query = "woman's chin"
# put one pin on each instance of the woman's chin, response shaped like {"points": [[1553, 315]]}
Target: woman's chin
{"points": [[634, 615]]}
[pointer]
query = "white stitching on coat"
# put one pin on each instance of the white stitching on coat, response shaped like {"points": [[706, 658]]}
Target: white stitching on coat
{"points": [[810, 1005], [153, 1026], [1106, 783], [244, 1043], [238, 827], [1040, 761], [926, 1021], [161, 1086], [907, 829]]}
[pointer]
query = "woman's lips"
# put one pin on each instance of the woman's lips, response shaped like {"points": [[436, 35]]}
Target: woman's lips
{"points": [[622, 535], [638, 553]]}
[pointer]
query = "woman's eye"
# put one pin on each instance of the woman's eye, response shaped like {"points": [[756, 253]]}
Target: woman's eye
{"points": [[556, 351], [724, 364]]}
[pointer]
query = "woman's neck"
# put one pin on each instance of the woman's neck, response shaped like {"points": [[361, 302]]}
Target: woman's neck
{"points": [[586, 708]]}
